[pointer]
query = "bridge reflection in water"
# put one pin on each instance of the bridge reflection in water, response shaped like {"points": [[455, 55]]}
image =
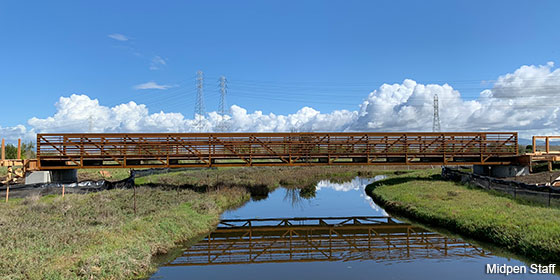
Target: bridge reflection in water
{"points": [[321, 239]]}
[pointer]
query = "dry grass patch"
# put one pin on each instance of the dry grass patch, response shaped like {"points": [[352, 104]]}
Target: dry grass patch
{"points": [[271, 177], [98, 235]]}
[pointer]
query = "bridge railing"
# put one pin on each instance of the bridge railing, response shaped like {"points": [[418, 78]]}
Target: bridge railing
{"points": [[207, 149]]}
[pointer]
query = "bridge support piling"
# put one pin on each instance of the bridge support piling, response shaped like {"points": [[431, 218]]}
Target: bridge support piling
{"points": [[483, 170], [64, 176], [501, 171]]}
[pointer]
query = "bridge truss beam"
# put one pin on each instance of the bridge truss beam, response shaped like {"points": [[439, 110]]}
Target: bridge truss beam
{"points": [[92, 150]]}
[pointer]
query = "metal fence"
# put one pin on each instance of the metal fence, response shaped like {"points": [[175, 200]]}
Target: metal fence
{"points": [[542, 194]]}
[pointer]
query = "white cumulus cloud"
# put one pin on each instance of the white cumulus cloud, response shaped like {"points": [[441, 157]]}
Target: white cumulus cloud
{"points": [[526, 100], [12, 134]]}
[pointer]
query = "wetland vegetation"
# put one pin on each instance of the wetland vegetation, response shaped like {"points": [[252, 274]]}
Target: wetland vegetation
{"points": [[99, 235], [528, 229]]}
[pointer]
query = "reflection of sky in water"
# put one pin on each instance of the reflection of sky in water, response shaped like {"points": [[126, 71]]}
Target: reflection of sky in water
{"points": [[356, 185], [331, 200]]}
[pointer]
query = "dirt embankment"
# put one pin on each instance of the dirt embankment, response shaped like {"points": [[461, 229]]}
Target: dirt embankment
{"points": [[537, 178]]}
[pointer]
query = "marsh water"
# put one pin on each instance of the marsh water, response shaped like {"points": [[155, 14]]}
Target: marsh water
{"points": [[336, 232]]}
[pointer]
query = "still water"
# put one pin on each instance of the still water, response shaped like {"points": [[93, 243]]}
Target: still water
{"points": [[339, 233]]}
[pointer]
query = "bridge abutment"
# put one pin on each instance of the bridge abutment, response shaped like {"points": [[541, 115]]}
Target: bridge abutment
{"points": [[53, 176], [37, 177]]}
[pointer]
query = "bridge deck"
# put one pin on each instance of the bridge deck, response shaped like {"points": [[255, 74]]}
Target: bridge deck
{"points": [[68, 151]]}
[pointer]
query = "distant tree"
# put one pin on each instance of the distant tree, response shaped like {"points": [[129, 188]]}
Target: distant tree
{"points": [[27, 151], [11, 151], [529, 149]]}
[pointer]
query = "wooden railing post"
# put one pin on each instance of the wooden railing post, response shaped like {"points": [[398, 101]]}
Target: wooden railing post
{"points": [[534, 145], [3, 150], [8, 180], [19, 149]]}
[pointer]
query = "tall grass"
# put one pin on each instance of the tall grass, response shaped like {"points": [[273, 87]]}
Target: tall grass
{"points": [[112, 174], [98, 236]]}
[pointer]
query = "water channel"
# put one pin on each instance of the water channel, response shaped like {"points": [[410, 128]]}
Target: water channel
{"points": [[337, 233]]}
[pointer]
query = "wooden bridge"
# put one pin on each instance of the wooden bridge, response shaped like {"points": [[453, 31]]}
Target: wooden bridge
{"points": [[138, 150], [547, 155], [243, 241]]}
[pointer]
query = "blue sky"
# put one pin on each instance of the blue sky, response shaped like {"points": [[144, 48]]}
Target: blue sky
{"points": [[278, 56]]}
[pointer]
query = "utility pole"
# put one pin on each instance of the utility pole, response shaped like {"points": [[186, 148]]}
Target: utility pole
{"points": [[436, 125], [199, 107]]}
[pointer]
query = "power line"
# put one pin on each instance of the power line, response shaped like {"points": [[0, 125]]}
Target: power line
{"points": [[150, 93], [189, 101]]}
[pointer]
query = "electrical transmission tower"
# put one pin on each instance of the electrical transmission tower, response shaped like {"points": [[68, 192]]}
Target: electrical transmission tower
{"points": [[199, 107], [223, 126], [223, 92], [436, 126]]}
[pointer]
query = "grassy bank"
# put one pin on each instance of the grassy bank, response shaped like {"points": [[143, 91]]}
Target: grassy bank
{"points": [[98, 235], [532, 231]]}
